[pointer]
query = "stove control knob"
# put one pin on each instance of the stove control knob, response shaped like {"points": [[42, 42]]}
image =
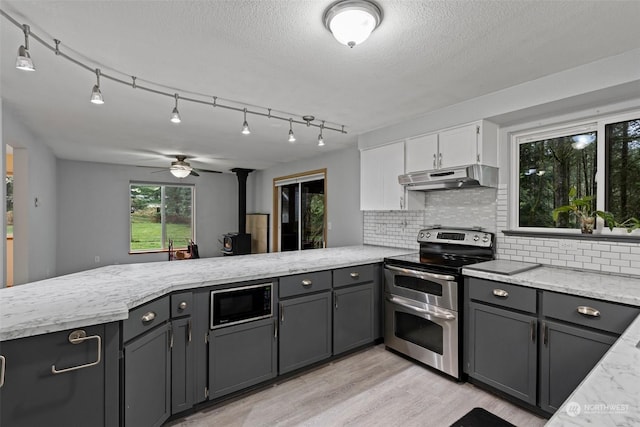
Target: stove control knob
{"points": [[422, 235], [428, 235], [476, 238], [485, 239]]}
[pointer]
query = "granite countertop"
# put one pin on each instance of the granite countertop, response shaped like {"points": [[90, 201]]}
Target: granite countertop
{"points": [[610, 394], [107, 294]]}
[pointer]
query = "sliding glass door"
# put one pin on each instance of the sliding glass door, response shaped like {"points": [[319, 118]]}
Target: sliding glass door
{"points": [[301, 211]]}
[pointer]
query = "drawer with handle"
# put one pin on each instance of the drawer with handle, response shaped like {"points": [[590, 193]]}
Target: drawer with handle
{"points": [[181, 304], [145, 317], [353, 275], [593, 313], [502, 294], [305, 283]]}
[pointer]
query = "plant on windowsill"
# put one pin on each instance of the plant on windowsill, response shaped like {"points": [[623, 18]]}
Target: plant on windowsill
{"points": [[629, 224], [580, 207]]}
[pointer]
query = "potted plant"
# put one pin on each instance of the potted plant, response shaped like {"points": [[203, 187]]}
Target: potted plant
{"points": [[581, 208], [628, 224]]}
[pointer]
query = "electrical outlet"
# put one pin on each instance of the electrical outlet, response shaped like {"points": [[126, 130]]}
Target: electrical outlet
{"points": [[96, 259], [569, 245], [381, 228]]}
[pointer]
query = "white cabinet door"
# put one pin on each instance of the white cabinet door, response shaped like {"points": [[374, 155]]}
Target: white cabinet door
{"points": [[459, 146], [379, 170], [422, 153]]}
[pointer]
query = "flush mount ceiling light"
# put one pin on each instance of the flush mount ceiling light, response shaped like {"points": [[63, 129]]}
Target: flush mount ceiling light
{"points": [[24, 62], [352, 21]]}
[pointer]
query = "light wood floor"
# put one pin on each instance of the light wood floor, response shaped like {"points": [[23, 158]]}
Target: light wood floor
{"points": [[371, 388]]}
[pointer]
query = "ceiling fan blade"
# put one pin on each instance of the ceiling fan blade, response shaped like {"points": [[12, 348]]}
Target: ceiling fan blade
{"points": [[194, 173], [208, 170]]}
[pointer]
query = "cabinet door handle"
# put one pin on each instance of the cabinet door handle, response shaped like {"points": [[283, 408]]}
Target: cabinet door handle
{"points": [[182, 305], [3, 366], [434, 161], [500, 293], [545, 334], [335, 301], [170, 336], [307, 282], [189, 331], [588, 311], [77, 337], [354, 275], [439, 160], [281, 313], [533, 330], [275, 330], [148, 317]]}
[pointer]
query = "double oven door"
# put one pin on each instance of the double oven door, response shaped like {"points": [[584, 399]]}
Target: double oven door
{"points": [[421, 317]]}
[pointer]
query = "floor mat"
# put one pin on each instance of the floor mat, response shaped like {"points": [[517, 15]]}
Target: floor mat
{"points": [[479, 417]]}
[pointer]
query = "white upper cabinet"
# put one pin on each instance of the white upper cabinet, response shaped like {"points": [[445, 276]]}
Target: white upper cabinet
{"points": [[460, 146], [379, 170], [422, 153]]}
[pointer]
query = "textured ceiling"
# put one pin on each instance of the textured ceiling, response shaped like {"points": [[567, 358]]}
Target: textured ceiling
{"points": [[276, 53]]}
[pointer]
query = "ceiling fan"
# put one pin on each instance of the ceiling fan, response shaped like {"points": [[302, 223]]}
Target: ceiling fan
{"points": [[180, 168]]}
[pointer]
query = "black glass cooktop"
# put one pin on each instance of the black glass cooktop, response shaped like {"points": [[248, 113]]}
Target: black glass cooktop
{"points": [[439, 262]]}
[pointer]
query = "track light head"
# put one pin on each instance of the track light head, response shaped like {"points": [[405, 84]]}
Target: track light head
{"points": [[175, 114], [245, 125], [320, 138], [96, 95], [23, 61], [292, 137]]}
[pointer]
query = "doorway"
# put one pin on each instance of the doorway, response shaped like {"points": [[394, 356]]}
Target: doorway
{"points": [[300, 211]]}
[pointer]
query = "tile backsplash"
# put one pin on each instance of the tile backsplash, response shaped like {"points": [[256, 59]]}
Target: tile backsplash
{"points": [[452, 208], [488, 208]]}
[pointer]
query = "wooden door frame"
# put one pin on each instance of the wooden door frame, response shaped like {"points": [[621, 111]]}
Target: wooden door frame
{"points": [[276, 205]]}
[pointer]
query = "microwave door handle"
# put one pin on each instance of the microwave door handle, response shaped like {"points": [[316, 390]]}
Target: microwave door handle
{"points": [[421, 274], [441, 314]]}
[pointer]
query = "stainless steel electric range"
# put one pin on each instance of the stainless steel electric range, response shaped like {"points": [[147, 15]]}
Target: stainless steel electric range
{"points": [[423, 295]]}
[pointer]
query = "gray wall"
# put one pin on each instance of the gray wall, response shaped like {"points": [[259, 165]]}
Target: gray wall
{"points": [[34, 226], [343, 192], [93, 214]]}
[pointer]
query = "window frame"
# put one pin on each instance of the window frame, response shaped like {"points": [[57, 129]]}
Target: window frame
{"points": [[193, 215], [597, 124]]}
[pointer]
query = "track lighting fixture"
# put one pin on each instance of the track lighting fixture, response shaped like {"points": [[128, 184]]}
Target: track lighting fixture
{"points": [[320, 138], [96, 95], [245, 125], [24, 62], [352, 21], [292, 137], [175, 115]]}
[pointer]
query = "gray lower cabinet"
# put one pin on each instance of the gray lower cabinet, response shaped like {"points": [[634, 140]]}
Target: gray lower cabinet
{"points": [[353, 317], [502, 350], [568, 354], [182, 366], [147, 378], [61, 379], [305, 331], [241, 356]]}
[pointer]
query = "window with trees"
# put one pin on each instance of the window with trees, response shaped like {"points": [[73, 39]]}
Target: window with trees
{"points": [[160, 214], [597, 163]]}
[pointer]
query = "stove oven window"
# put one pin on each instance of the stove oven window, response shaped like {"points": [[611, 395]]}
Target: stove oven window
{"points": [[419, 285], [419, 331]]}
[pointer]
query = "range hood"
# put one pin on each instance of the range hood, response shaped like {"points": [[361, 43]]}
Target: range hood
{"points": [[451, 178]]}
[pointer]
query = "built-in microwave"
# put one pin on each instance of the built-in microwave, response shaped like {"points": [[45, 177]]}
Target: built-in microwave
{"points": [[242, 304]]}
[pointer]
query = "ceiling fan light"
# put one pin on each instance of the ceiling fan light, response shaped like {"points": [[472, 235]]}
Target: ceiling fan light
{"points": [[96, 96], [175, 116], [352, 21], [180, 171], [23, 61]]}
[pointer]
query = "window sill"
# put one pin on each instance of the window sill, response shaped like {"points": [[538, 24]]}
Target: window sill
{"points": [[155, 251], [605, 237]]}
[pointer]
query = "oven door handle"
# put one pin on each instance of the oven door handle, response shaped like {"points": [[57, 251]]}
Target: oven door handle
{"points": [[440, 314], [420, 274]]}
